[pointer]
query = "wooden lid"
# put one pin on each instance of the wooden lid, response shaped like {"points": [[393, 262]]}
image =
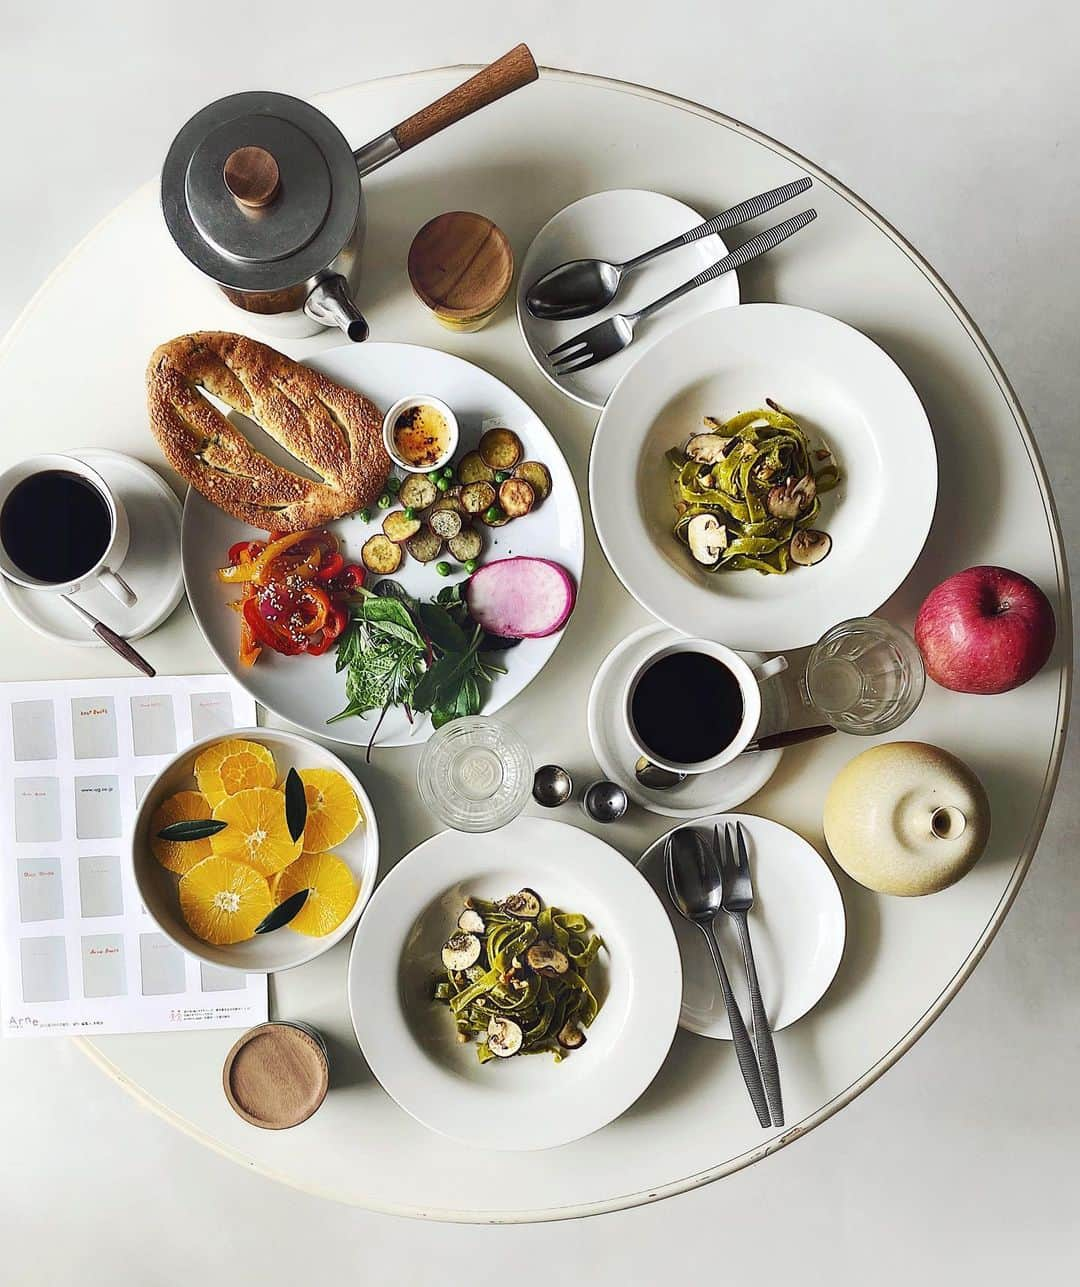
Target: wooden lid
{"points": [[461, 264], [276, 1076], [252, 176]]}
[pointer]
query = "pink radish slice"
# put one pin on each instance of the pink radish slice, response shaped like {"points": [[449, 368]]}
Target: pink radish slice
{"points": [[521, 598]]}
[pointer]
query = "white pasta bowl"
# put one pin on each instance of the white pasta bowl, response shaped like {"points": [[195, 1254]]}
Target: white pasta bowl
{"points": [[846, 392], [280, 949], [525, 1102]]}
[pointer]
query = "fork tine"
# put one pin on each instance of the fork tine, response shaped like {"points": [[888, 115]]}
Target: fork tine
{"points": [[729, 851], [578, 362], [721, 855], [744, 857], [576, 342]]}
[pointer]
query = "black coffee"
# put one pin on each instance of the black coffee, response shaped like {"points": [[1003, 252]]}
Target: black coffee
{"points": [[687, 707], [55, 526]]}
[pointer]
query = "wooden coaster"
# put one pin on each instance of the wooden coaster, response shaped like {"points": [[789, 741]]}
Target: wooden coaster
{"points": [[461, 265], [276, 1075]]}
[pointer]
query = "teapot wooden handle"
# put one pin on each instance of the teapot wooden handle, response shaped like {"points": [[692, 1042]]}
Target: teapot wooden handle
{"points": [[512, 71]]}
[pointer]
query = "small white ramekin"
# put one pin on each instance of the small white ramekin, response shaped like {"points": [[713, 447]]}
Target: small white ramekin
{"points": [[419, 400]]}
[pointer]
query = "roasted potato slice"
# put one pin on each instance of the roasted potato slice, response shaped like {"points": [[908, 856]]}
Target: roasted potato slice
{"points": [[445, 522], [381, 555], [472, 469], [516, 497], [425, 546], [468, 544], [418, 492], [399, 527], [500, 449], [477, 497], [537, 475]]}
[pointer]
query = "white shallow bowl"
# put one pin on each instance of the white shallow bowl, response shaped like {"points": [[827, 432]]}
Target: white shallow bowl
{"points": [[615, 226], [797, 929], [409, 1040], [284, 948], [307, 691], [846, 392]]}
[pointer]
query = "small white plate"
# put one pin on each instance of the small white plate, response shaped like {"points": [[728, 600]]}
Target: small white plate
{"points": [[409, 1040], [797, 929], [151, 568], [284, 948], [307, 691], [846, 392], [616, 226], [724, 788]]}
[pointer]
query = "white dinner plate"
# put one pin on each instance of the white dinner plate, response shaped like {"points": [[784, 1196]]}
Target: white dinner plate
{"points": [[307, 691], [616, 226], [409, 1040], [797, 929], [846, 392]]}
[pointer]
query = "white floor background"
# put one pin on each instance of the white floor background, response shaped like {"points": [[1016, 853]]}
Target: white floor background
{"points": [[959, 122]]}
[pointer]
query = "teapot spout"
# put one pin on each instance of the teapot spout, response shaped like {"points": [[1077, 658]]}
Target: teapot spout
{"points": [[330, 304]]}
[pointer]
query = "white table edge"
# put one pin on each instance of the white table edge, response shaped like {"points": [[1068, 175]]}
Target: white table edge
{"points": [[792, 1133]]}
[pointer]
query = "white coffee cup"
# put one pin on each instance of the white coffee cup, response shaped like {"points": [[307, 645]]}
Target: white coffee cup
{"points": [[749, 679], [105, 571]]}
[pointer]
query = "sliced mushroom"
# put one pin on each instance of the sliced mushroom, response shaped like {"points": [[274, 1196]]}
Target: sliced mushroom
{"points": [[546, 958], [708, 448], [570, 1036], [809, 547], [791, 498], [460, 951], [504, 1037], [525, 905], [471, 921], [707, 538]]}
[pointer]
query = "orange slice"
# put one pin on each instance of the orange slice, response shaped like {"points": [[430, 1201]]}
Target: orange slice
{"points": [[223, 900], [179, 855], [256, 831], [233, 765], [333, 892], [333, 810]]}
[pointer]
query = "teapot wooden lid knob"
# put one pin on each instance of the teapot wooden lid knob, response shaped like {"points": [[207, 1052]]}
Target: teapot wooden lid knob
{"points": [[252, 176]]}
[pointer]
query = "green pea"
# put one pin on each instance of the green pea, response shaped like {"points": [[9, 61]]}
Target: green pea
{"points": [[383, 502], [448, 472], [471, 565], [443, 568], [393, 484], [501, 476], [364, 515], [493, 513], [410, 513], [435, 475], [443, 484]]}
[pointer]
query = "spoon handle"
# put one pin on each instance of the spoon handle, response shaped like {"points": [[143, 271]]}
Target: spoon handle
{"points": [[744, 1049], [728, 219]]}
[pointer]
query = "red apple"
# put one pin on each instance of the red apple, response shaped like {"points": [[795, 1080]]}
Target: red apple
{"points": [[985, 630]]}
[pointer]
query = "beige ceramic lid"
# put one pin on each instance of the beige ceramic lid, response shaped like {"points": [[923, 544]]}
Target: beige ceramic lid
{"points": [[276, 1076], [461, 264]]}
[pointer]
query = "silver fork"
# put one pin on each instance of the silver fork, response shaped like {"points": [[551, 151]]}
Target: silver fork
{"points": [[738, 899], [609, 337]]}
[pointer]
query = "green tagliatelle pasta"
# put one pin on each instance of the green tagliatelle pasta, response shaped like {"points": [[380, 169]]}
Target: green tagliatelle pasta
{"points": [[550, 1005], [756, 475]]}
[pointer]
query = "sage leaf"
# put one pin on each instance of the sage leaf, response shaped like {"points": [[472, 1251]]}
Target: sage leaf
{"points": [[192, 829], [295, 805]]}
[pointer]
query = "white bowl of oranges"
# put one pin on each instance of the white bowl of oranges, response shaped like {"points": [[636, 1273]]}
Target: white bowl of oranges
{"points": [[234, 829]]}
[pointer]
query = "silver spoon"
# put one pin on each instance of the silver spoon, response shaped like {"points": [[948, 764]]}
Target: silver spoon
{"points": [[659, 779], [696, 889], [583, 286], [116, 642]]}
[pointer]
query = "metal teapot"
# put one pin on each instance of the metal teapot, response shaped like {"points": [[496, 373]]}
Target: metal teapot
{"points": [[262, 193]]}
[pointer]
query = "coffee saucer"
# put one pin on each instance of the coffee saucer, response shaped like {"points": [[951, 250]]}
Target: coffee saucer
{"points": [[152, 566], [716, 792]]}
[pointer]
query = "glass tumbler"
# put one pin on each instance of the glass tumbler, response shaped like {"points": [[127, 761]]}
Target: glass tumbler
{"points": [[475, 774], [865, 676]]}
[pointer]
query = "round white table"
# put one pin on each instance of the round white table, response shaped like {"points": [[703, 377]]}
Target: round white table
{"points": [[71, 376]]}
